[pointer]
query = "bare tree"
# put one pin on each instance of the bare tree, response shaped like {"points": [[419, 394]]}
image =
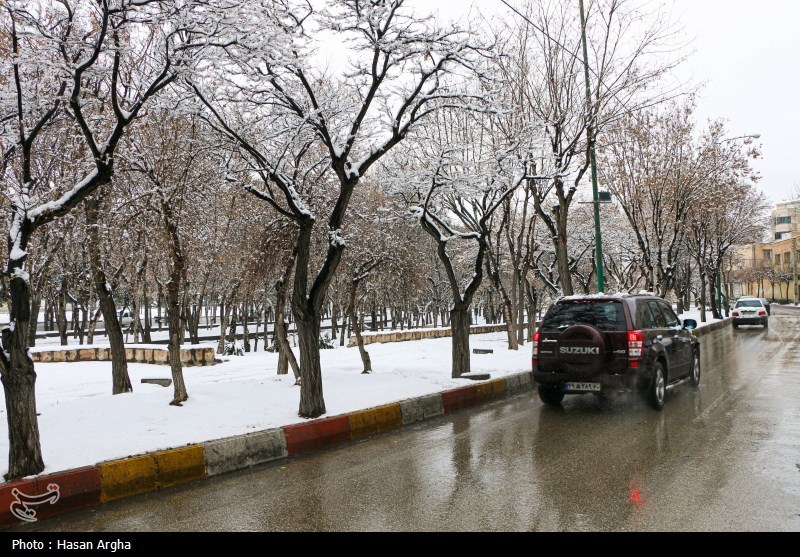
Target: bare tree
{"points": [[650, 165], [66, 61], [456, 177], [347, 124], [626, 65], [728, 210]]}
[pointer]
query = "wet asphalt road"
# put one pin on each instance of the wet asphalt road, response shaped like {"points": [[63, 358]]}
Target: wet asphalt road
{"points": [[723, 457]]}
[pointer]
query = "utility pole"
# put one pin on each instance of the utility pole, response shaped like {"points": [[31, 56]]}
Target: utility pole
{"points": [[590, 133], [793, 232], [794, 266]]}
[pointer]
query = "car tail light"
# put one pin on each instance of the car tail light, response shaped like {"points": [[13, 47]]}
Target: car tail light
{"points": [[735, 313], [535, 349], [635, 344], [762, 312]]}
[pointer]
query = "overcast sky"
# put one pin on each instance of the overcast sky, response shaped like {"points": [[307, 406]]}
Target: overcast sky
{"points": [[746, 54]]}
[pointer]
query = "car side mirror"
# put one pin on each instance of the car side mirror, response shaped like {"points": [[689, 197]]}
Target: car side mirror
{"points": [[689, 324]]}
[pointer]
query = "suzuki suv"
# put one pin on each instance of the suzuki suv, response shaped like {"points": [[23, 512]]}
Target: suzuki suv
{"points": [[611, 343]]}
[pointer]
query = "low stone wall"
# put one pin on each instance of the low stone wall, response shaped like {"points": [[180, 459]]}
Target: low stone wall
{"points": [[399, 336], [190, 356]]}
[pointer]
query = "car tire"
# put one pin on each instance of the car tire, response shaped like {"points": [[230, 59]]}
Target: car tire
{"points": [[695, 372], [735, 325], [550, 395], [657, 391], [766, 323]]}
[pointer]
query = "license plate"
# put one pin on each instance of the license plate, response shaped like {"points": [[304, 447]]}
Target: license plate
{"points": [[581, 386]]}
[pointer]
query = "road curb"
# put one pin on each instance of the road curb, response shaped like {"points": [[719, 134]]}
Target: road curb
{"points": [[90, 486], [716, 325], [49, 495], [243, 451]]}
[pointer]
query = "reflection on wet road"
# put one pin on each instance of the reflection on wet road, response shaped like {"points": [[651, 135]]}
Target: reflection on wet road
{"points": [[724, 457]]}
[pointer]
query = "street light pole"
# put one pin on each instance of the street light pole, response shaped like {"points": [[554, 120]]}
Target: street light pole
{"points": [[719, 271], [794, 262], [598, 241]]}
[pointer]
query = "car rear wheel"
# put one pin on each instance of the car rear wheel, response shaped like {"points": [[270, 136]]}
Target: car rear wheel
{"points": [[658, 388], [735, 325], [695, 368], [766, 323], [550, 395]]}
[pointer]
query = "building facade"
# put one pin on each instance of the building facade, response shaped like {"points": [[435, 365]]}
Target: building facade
{"points": [[766, 270], [785, 219]]}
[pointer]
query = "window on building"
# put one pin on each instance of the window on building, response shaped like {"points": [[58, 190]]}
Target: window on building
{"points": [[783, 220], [787, 258], [768, 254], [777, 259]]}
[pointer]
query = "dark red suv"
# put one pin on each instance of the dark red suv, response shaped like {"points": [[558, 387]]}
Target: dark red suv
{"points": [[626, 342]]}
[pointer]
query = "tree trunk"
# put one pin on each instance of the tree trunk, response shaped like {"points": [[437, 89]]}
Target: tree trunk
{"points": [[351, 311], [334, 323], [245, 330], [120, 380], [231, 338], [174, 347], [93, 326], [159, 301], [255, 334], [520, 310], [562, 255], [36, 302], [176, 324], [285, 354], [365, 359], [25, 453], [508, 307], [459, 327], [306, 310], [84, 311], [147, 327], [702, 297], [312, 402], [267, 314], [61, 316], [74, 319], [345, 330], [16, 369], [223, 318], [135, 320]]}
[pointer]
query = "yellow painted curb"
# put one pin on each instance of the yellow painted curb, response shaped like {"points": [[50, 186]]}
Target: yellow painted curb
{"points": [[375, 420], [492, 390], [176, 466], [126, 477]]}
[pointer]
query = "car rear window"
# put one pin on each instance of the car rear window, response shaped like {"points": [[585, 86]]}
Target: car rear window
{"points": [[748, 304], [606, 315]]}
